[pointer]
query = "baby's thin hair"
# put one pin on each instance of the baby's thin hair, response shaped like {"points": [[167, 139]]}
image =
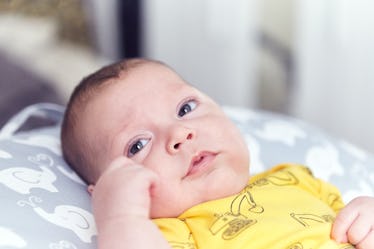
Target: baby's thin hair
{"points": [[76, 150]]}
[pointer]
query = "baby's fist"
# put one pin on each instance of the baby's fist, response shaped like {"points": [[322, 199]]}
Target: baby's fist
{"points": [[124, 189], [355, 223]]}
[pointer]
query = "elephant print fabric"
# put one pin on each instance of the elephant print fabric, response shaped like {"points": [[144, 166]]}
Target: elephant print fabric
{"points": [[48, 202]]}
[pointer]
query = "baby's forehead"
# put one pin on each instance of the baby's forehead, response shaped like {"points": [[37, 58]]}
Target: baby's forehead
{"points": [[143, 81], [137, 91], [142, 86]]}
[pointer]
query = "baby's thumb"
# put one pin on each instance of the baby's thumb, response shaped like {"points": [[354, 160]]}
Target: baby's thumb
{"points": [[117, 163]]}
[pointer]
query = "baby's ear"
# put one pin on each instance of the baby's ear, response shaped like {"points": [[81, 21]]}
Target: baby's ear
{"points": [[90, 188]]}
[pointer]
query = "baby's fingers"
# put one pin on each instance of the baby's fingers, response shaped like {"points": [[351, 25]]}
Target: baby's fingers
{"points": [[355, 223], [367, 242], [359, 232], [342, 223]]}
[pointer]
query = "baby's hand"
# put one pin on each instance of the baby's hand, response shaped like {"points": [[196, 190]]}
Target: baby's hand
{"points": [[355, 223], [123, 190]]}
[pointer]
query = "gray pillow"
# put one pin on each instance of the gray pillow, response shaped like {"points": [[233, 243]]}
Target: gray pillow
{"points": [[274, 138], [44, 204]]}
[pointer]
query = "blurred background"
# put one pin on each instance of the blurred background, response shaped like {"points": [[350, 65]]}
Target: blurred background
{"points": [[312, 59]]}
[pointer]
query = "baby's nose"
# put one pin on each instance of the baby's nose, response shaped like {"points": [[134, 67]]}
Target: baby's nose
{"points": [[178, 137]]}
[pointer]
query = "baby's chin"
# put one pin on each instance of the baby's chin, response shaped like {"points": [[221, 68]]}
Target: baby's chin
{"points": [[175, 212]]}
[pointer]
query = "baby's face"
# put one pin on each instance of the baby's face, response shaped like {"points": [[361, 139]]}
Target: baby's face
{"points": [[154, 118]]}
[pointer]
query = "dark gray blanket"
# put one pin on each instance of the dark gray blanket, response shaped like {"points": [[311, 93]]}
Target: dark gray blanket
{"points": [[19, 88]]}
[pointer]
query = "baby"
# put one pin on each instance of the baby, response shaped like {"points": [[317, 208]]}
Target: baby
{"points": [[167, 169]]}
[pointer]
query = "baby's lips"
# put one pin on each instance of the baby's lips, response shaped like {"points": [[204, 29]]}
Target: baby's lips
{"points": [[200, 158]]}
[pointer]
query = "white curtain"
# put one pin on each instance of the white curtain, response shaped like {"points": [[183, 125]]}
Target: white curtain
{"points": [[335, 67], [210, 43]]}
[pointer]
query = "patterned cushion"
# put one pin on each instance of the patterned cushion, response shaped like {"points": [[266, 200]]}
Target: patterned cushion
{"points": [[274, 138]]}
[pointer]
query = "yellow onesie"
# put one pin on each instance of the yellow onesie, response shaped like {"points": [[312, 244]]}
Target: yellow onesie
{"points": [[283, 208]]}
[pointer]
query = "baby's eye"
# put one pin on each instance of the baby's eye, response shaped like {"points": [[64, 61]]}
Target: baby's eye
{"points": [[187, 107], [137, 146]]}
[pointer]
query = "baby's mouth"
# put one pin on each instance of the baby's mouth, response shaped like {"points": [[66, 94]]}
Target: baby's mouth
{"points": [[200, 162]]}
